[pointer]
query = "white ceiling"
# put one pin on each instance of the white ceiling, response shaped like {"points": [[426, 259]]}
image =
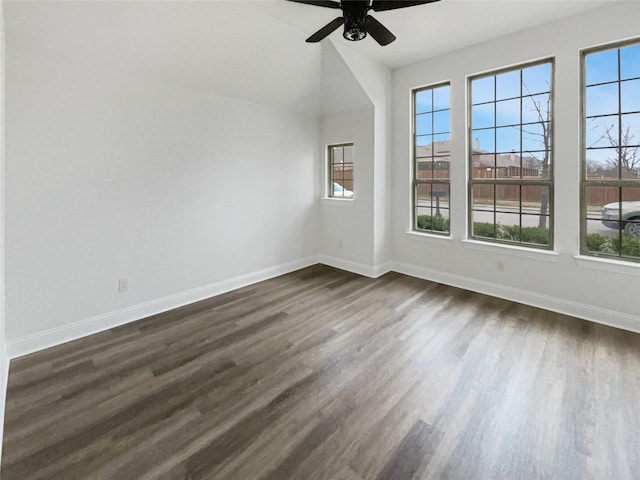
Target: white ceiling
{"points": [[254, 50], [429, 30]]}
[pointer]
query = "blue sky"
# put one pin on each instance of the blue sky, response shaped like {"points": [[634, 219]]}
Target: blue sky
{"points": [[536, 80], [432, 107], [496, 110], [603, 66], [607, 100]]}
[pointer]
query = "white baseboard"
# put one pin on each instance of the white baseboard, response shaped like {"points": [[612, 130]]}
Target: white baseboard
{"points": [[4, 376], [587, 312], [98, 323], [374, 271], [56, 336]]}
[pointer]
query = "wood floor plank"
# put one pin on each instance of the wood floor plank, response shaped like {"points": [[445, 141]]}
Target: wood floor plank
{"points": [[413, 453], [327, 375]]}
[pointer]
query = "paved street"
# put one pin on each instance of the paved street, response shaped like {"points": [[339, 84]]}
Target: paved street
{"points": [[484, 213]]}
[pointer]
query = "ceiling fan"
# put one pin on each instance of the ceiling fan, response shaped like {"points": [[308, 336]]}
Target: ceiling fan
{"points": [[357, 23]]}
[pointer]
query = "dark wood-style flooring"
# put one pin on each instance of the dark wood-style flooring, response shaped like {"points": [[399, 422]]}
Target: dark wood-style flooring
{"points": [[326, 375]]}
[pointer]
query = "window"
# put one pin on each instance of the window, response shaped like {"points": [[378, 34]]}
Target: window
{"points": [[431, 159], [610, 191], [341, 170], [510, 156]]}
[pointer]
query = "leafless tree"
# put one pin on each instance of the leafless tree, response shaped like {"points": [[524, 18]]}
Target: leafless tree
{"points": [[542, 109], [626, 142], [627, 150], [595, 168]]}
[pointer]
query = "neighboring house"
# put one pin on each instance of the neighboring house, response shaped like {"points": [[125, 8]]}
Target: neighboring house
{"points": [[484, 163]]}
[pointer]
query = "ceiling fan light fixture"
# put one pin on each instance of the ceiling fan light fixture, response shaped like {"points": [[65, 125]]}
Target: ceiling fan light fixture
{"points": [[355, 20], [354, 34]]}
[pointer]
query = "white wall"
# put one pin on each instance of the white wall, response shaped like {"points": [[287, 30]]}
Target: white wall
{"points": [[347, 238], [347, 225], [4, 360], [375, 80], [600, 290], [110, 177]]}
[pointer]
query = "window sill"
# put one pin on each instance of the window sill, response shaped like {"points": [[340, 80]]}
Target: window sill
{"points": [[429, 238], [516, 251], [340, 202], [608, 265]]}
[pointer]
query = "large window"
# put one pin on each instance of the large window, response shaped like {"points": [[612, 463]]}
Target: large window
{"points": [[432, 156], [510, 155], [340, 170], [611, 153]]}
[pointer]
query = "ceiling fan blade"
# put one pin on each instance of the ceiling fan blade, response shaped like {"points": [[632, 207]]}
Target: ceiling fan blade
{"points": [[326, 30], [381, 5], [379, 32], [319, 3]]}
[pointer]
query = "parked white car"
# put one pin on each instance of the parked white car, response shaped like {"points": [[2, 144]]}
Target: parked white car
{"points": [[630, 216], [340, 191]]}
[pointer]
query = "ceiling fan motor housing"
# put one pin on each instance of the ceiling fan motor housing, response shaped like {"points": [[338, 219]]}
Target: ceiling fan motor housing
{"points": [[355, 17]]}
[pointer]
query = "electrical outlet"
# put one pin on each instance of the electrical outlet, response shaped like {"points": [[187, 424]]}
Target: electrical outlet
{"points": [[340, 244], [123, 284]]}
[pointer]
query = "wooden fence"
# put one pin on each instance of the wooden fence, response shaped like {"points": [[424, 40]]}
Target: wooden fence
{"points": [[343, 175], [596, 196], [603, 195]]}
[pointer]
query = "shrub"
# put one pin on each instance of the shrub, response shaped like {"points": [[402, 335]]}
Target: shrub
{"points": [[595, 241], [513, 233], [437, 224], [481, 229], [610, 245], [630, 245], [535, 235]]}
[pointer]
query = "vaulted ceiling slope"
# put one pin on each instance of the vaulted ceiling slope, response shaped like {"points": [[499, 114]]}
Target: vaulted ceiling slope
{"points": [[253, 50], [229, 48], [340, 89]]}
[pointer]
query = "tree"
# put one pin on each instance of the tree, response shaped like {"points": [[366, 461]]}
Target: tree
{"points": [[543, 113], [596, 169], [626, 143], [627, 157]]}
